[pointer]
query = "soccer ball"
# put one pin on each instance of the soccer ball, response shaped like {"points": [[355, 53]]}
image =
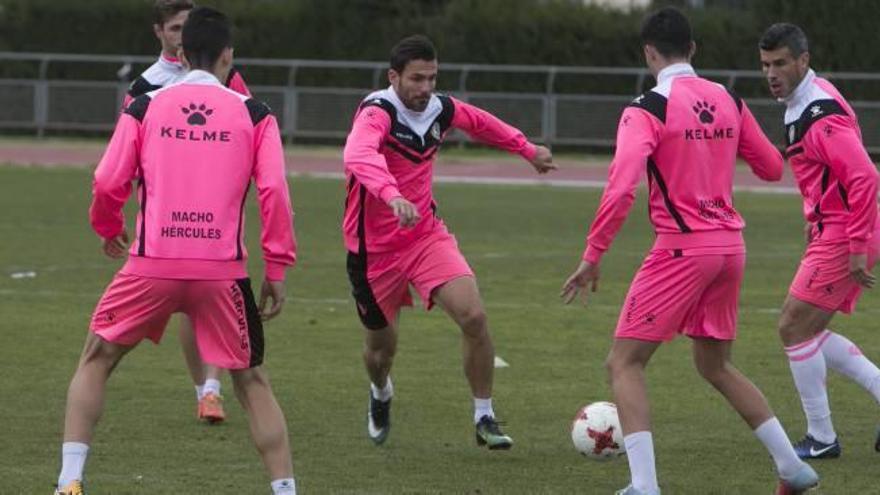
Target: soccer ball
{"points": [[596, 432]]}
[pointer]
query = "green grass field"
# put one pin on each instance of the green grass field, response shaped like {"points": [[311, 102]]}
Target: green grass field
{"points": [[522, 243]]}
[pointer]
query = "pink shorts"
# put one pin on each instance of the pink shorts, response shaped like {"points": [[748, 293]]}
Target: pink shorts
{"points": [[696, 295], [227, 325], [823, 278], [380, 281]]}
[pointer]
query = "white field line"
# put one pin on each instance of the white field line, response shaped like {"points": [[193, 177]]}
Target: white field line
{"points": [[519, 181]]}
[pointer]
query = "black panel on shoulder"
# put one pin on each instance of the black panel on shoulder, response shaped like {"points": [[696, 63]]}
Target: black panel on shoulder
{"points": [[258, 110], [141, 86], [736, 99], [232, 73], [653, 103], [815, 111], [413, 147], [446, 115], [138, 107], [383, 104]]}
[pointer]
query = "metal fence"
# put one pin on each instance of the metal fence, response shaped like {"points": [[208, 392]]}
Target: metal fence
{"points": [[549, 114]]}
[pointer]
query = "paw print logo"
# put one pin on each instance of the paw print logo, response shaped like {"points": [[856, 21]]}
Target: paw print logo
{"points": [[827, 130], [705, 111], [197, 114]]}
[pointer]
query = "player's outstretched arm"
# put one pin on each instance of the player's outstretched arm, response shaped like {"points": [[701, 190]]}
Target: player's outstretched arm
{"points": [[543, 160], [637, 136], [757, 150], [489, 129]]}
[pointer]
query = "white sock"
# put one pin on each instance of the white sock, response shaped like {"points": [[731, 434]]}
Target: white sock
{"points": [[807, 364], [771, 434], [200, 392], [385, 393], [284, 486], [846, 358], [211, 386], [642, 468], [73, 460], [482, 407]]}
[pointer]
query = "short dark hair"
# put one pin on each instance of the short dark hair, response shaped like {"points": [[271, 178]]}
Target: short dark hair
{"points": [[669, 31], [415, 47], [166, 9], [784, 34], [206, 33]]}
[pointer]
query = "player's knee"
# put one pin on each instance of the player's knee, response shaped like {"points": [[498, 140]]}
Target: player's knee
{"points": [[473, 322], [790, 331], [381, 355], [245, 379], [380, 345], [101, 352], [712, 372], [624, 363]]}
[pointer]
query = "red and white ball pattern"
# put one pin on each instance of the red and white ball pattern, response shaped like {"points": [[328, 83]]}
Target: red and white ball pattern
{"points": [[596, 432]]}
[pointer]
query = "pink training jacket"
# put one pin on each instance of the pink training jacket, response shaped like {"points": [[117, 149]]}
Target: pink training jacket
{"points": [[390, 153], [686, 134], [194, 148], [834, 171], [169, 70]]}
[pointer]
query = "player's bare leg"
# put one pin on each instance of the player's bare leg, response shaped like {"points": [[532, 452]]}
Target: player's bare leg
{"points": [[85, 396], [205, 377], [191, 352], [713, 361], [460, 298], [801, 321], [626, 364], [380, 347], [85, 403], [267, 423], [626, 371]]}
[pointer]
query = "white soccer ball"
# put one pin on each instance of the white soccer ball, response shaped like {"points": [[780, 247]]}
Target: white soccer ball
{"points": [[596, 432]]}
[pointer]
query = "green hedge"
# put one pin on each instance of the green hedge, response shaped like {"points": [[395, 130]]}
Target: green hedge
{"points": [[559, 32]]}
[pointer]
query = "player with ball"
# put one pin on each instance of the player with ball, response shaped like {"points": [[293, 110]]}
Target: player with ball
{"points": [[690, 280]]}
